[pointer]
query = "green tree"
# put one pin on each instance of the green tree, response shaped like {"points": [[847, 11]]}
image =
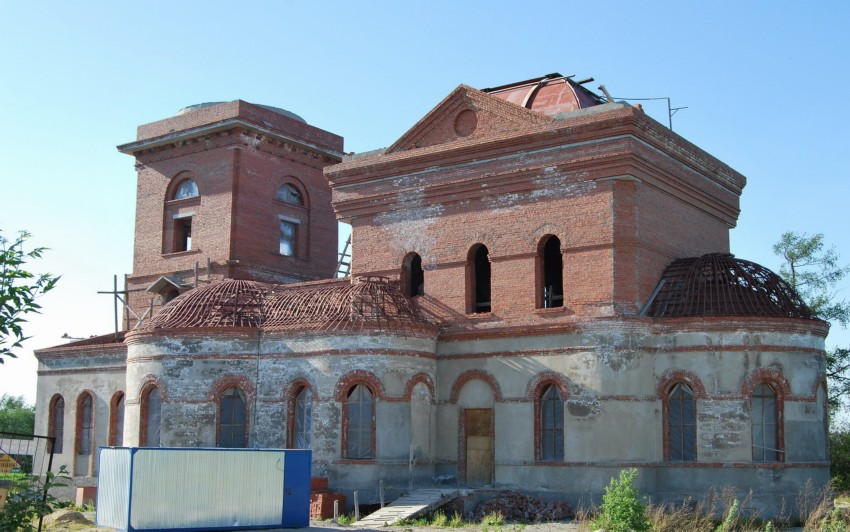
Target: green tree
{"points": [[16, 415], [19, 290], [815, 271]]}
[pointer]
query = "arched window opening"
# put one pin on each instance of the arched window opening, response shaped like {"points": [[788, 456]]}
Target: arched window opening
{"points": [[765, 422], [553, 273], [681, 424], [290, 194], [303, 417], [551, 425], [56, 423], [359, 430], [232, 419], [481, 280], [288, 237], [414, 276], [151, 418], [86, 422], [116, 421], [186, 189]]}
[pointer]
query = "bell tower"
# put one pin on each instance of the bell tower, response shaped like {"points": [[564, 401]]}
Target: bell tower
{"points": [[229, 190]]}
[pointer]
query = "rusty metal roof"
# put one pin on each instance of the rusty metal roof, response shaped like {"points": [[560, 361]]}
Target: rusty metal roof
{"points": [[364, 303], [721, 285]]}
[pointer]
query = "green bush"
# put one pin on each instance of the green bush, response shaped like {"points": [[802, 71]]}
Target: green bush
{"points": [[623, 509], [26, 501], [839, 455]]}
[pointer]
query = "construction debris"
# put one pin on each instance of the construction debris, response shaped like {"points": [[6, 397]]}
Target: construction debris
{"points": [[516, 506]]}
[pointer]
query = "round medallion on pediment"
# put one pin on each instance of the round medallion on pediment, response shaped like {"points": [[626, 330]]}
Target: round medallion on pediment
{"points": [[465, 123]]}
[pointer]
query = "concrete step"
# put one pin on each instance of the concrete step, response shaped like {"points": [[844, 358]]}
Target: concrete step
{"points": [[414, 503]]}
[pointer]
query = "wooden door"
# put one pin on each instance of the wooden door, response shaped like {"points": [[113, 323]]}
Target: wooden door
{"points": [[478, 435]]}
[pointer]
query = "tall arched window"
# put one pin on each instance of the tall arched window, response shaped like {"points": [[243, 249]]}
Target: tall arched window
{"points": [[232, 427], [550, 273], [413, 276], [479, 277], [764, 411], [681, 424], [85, 423], [303, 417], [182, 198], [116, 420], [359, 423], [151, 419], [551, 420], [56, 422]]}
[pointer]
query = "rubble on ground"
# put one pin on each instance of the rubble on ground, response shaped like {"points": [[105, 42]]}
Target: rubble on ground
{"points": [[516, 506]]}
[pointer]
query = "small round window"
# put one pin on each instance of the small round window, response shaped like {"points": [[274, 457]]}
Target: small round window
{"points": [[289, 194], [186, 189]]}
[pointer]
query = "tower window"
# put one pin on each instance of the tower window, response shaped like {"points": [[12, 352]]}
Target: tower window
{"points": [[183, 233], [479, 264], [413, 275], [289, 194], [551, 290], [186, 189], [288, 237]]}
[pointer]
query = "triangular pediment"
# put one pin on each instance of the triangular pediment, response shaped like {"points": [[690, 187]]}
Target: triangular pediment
{"points": [[467, 113]]}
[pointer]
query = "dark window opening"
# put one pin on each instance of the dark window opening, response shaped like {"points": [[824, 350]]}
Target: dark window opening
{"points": [[152, 418], [86, 424], [57, 423], [232, 429], [765, 425], [170, 294], [116, 425], [288, 238], [360, 414], [481, 278], [681, 424], [553, 274], [551, 425], [415, 276], [183, 234], [303, 417]]}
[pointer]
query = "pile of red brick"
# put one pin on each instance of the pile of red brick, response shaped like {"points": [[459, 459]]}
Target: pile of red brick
{"points": [[516, 506], [322, 499]]}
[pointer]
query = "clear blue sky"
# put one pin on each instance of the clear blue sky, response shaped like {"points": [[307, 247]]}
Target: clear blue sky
{"points": [[765, 84]]}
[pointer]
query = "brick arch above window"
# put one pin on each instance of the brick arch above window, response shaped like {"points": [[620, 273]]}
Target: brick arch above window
{"points": [[475, 374], [420, 378], [297, 185], [177, 181], [673, 376], [148, 382], [538, 383], [770, 376], [353, 378], [293, 388], [226, 382]]}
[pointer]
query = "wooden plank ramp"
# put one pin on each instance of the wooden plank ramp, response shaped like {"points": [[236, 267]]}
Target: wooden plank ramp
{"points": [[414, 503]]}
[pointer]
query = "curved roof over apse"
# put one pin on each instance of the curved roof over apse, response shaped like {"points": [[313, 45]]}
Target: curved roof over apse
{"points": [[368, 303], [552, 94], [721, 285]]}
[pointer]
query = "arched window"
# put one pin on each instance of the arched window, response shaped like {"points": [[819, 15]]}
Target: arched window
{"points": [[764, 411], [359, 422], [187, 188], [681, 424], [56, 422], [151, 419], [479, 267], [232, 411], [85, 423], [289, 194], [116, 420], [413, 275], [551, 420], [303, 416], [550, 273]]}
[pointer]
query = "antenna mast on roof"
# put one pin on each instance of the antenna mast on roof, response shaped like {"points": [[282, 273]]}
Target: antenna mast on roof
{"points": [[670, 110]]}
